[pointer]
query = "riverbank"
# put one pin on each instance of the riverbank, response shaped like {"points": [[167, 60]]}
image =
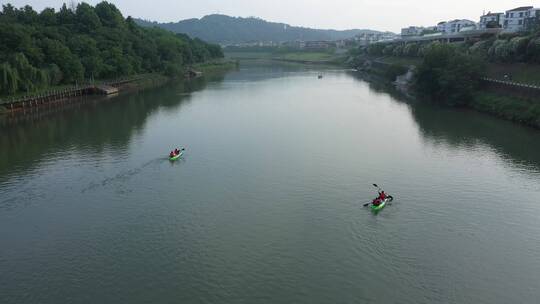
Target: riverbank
{"points": [[216, 66], [319, 57], [522, 110], [507, 103], [57, 96]]}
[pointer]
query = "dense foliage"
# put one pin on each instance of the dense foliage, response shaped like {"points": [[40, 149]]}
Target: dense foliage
{"points": [[61, 47], [447, 75], [229, 30]]}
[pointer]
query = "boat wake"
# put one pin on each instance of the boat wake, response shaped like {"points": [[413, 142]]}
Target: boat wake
{"points": [[123, 176]]}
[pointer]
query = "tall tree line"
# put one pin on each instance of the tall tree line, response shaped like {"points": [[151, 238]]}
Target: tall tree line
{"points": [[52, 47]]}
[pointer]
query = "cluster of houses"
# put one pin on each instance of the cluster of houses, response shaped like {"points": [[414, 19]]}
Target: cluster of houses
{"points": [[373, 37], [514, 20]]}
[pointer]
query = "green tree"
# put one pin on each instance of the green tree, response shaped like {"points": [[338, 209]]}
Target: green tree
{"points": [[47, 17], [448, 76], [9, 79], [109, 15], [87, 19]]}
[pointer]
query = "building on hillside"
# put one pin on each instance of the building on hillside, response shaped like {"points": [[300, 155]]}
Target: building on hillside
{"points": [[369, 38], [533, 21], [441, 26], [412, 31], [517, 19], [430, 29], [455, 26], [491, 20]]}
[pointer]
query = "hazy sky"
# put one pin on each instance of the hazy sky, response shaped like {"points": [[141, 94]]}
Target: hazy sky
{"points": [[338, 14]]}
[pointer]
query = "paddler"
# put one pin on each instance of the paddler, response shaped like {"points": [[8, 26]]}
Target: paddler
{"points": [[382, 196]]}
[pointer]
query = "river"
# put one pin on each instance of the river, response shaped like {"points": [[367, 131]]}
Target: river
{"points": [[266, 204]]}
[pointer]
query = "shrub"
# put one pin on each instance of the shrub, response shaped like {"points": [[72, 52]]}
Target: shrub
{"points": [[518, 48], [398, 50], [500, 51], [388, 50], [394, 70], [481, 48], [533, 50], [411, 50]]}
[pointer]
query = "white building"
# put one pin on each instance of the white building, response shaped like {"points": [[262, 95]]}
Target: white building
{"points": [[368, 38], [441, 26], [516, 19], [412, 31], [491, 20], [455, 26]]}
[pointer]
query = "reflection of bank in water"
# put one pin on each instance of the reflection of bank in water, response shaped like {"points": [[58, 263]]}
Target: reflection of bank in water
{"points": [[468, 128], [88, 124], [464, 127]]}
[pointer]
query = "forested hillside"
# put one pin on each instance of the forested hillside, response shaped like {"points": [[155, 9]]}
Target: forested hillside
{"points": [[226, 29], [41, 49]]}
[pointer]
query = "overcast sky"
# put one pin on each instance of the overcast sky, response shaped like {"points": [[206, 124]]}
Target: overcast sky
{"points": [[388, 15]]}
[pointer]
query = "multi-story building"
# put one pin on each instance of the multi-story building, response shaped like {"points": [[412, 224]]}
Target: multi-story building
{"points": [[533, 21], [441, 26], [455, 26], [516, 19], [368, 38], [491, 20]]}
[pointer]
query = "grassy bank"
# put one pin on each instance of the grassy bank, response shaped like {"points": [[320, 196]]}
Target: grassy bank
{"points": [[525, 111], [519, 72], [216, 66]]}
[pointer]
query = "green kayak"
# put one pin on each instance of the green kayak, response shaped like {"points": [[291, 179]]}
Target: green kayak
{"points": [[176, 156], [381, 205]]}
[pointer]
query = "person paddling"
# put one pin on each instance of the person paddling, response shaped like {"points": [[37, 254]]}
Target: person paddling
{"points": [[379, 199], [171, 154], [382, 195]]}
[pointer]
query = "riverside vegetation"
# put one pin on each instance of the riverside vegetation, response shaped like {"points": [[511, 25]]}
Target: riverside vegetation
{"points": [[54, 48], [450, 74]]}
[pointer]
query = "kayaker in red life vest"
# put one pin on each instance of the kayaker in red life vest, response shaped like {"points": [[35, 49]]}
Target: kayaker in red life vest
{"points": [[176, 151], [379, 199], [171, 154]]}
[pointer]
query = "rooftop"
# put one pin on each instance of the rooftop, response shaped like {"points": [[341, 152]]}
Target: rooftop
{"points": [[491, 14], [522, 8]]}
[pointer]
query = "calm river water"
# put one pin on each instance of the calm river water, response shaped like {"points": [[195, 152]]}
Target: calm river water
{"points": [[266, 205]]}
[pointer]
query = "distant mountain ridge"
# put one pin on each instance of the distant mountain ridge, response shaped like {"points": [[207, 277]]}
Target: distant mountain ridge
{"points": [[229, 30]]}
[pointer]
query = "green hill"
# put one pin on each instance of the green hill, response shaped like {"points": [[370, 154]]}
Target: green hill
{"points": [[49, 48], [225, 29]]}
